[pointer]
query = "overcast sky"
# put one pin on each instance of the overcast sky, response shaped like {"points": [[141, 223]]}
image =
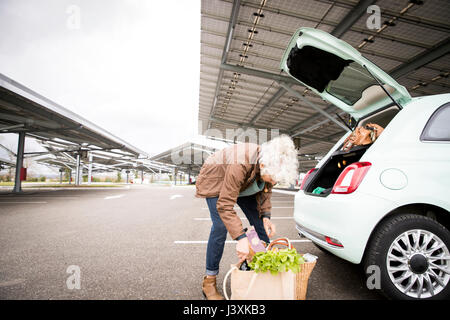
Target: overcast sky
{"points": [[130, 66]]}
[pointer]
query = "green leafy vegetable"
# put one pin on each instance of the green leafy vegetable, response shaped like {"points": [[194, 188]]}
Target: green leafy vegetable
{"points": [[277, 261]]}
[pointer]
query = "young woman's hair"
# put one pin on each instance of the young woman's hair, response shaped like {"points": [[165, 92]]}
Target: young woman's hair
{"points": [[279, 159]]}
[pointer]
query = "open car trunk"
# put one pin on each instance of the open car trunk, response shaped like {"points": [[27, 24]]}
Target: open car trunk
{"points": [[340, 75], [326, 176]]}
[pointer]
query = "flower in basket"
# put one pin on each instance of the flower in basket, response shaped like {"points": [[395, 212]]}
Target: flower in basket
{"points": [[277, 260]]}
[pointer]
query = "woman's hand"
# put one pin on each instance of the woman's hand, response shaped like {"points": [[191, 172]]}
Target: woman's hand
{"points": [[242, 249], [269, 226]]}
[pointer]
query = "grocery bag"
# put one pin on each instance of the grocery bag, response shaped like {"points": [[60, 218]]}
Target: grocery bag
{"points": [[250, 285]]}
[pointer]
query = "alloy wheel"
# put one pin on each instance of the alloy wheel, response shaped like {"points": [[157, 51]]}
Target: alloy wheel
{"points": [[418, 264]]}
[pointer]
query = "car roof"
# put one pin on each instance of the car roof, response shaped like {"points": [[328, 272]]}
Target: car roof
{"points": [[428, 102]]}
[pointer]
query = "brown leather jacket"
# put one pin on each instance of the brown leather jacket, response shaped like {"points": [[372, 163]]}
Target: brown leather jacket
{"points": [[225, 174]]}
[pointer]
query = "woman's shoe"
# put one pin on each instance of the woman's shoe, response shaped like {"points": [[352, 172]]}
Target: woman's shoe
{"points": [[209, 289]]}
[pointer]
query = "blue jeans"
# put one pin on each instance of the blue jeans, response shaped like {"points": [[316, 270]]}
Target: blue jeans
{"points": [[218, 234]]}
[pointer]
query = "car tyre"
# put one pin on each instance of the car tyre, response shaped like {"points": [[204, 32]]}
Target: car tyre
{"points": [[412, 255]]}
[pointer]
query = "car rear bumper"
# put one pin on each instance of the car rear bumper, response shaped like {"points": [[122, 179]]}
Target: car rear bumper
{"points": [[347, 218]]}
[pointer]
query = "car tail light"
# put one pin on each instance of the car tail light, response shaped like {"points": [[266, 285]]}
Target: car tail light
{"points": [[306, 177], [351, 177]]}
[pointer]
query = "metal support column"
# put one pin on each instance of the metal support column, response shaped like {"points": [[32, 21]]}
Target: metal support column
{"points": [[90, 168], [77, 173], [19, 162], [142, 176], [189, 175], [128, 173], [60, 175]]}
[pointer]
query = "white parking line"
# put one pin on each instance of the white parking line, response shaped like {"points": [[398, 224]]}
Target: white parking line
{"points": [[228, 241], [272, 208], [33, 202], [273, 218], [282, 201], [114, 197], [52, 197], [176, 196], [285, 191], [11, 283], [82, 188]]}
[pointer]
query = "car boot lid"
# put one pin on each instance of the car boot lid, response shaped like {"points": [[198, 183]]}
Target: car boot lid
{"points": [[339, 74]]}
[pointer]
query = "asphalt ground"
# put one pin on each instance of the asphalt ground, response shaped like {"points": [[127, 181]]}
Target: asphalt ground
{"points": [[136, 242]]}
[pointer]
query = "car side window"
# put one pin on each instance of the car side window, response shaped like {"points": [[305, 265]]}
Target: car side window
{"points": [[438, 126]]}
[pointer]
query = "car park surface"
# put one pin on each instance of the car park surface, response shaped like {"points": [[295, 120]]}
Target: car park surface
{"points": [[141, 242]]}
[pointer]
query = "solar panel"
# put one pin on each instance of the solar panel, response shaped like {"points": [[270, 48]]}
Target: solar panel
{"points": [[258, 44]]}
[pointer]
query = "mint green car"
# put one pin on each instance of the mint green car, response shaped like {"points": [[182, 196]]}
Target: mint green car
{"points": [[384, 205]]}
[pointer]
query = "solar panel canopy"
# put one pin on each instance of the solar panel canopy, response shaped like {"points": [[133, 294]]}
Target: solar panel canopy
{"points": [[242, 43], [23, 110]]}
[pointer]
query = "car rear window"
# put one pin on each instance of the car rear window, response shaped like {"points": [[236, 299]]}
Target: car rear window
{"points": [[438, 126]]}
